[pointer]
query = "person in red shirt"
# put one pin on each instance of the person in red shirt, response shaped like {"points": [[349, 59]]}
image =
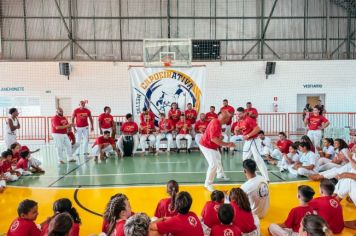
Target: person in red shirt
{"points": [[80, 118], [184, 223], [63, 205], [236, 135], [249, 129], [129, 128], [166, 206], [250, 111], [61, 224], [106, 122], [147, 111], [15, 150], [8, 174], [190, 114], [226, 228], [165, 128], [243, 217], [174, 113], [209, 146], [146, 130], [231, 110], [103, 146], [315, 123], [200, 127], [328, 207], [60, 127], [23, 165], [119, 212], [25, 223], [209, 213], [211, 114], [183, 128], [73, 142], [292, 223], [281, 148]]}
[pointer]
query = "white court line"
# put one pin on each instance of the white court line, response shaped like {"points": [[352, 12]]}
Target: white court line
{"points": [[168, 162]]}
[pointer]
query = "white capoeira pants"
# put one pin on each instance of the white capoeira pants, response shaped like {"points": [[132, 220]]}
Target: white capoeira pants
{"points": [[167, 136], [23, 172], [346, 187], [34, 162], [151, 140], [9, 139], [305, 172], [235, 139], [315, 136], [197, 138], [266, 151], [2, 183], [63, 145], [75, 148], [277, 230], [213, 157], [277, 154], [106, 150], [326, 164], [82, 134], [251, 148], [188, 137], [332, 173], [120, 143], [10, 177]]}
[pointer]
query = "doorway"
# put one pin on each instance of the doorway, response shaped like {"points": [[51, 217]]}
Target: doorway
{"points": [[312, 99], [65, 104]]}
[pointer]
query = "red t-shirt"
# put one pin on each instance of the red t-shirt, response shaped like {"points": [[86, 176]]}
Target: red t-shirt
{"points": [[59, 121], [225, 230], [129, 127], [22, 164], [181, 225], [210, 213], [212, 131], [15, 157], [283, 145], [331, 211], [71, 137], [201, 125], [231, 110], [174, 115], [22, 227], [163, 209], [119, 228], [5, 167], [150, 113], [191, 115], [233, 126], [73, 232], [314, 122], [252, 111], [147, 128], [210, 115], [165, 125], [81, 117], [351, 145], [105, 226], [296, 215], [106, 120], [243, 219], [246, 125], [180, 124], [103, 141]]}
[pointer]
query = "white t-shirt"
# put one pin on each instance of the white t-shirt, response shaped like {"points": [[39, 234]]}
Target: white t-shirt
{"points": [[267, 142], [308, 159], [258, 194], [329, 150], [294, 157]]}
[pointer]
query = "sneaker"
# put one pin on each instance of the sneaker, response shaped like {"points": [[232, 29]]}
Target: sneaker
{"points": [[61, 162], [223, 178], [72, 160], [281, 169], [210, 188]]}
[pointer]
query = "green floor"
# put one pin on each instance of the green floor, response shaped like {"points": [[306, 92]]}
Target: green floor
{"points": [[148, 170]]}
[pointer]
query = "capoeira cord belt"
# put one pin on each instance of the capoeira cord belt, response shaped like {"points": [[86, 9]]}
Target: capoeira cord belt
{"points": [[253, 141]]}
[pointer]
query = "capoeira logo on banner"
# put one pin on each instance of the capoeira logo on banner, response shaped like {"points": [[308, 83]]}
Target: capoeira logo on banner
{"points": [[157, 89]]}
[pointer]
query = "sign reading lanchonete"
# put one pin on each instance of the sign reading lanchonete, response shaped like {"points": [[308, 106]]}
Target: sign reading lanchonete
{"points": [[158, 88], [312, 85], [12, 89]]}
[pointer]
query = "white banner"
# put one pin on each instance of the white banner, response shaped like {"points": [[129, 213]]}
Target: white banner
{"points": [[158, 88]]}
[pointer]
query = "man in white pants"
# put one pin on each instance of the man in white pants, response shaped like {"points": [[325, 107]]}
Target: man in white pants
{"points": [[183, 128], [146, 129], [103, 146], [60, 127], [129, 128], [209, 146], [315, 123], [106, 122], [80, 116], [12, 124], [266, 143], [200, 127], [165, 128], [249, 129]]}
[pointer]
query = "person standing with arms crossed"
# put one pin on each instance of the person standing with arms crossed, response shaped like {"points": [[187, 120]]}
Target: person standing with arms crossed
{"points": [[209, 146], [80, 118], [315, 123], [12, 124]]}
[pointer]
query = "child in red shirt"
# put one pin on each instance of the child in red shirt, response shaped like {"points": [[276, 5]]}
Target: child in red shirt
{"points": [[63, 205], [314, 225], [243, 217], [211, 208], [183, 224], [61, 224], [9, 175], [24, 224], [292, 223], [24, 166], [226, 216], [119, 211], [328, 207], [165, 207]]}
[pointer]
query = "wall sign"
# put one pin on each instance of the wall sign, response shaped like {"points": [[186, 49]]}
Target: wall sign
{"points": [[312, 85], [12, 89]]}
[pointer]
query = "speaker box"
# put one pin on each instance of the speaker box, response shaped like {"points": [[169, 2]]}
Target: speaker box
{"points": [[64, 69], [270, 68]]}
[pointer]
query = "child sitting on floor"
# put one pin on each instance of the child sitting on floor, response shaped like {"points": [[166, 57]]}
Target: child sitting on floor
{"points": [[226, 216], [209, 213], [165, 207]]}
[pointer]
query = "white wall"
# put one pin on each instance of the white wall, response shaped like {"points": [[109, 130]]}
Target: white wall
{"points": [[107, 83]]}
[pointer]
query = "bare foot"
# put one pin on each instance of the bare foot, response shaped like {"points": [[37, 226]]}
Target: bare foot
{"points": [[316, 177], [351, 224]]}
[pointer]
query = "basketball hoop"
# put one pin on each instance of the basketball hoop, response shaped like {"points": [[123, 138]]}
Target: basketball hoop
{"points": [[167, 61]]}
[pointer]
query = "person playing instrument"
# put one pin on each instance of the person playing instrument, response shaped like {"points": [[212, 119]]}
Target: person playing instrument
{"points": [[147, 111], [190, 114], [106, 122], [211, 114], [146, 130], [174, 113], [183, 128], [12, 124], [129, 128], [200, 127], [103, 146], [165, 128]]}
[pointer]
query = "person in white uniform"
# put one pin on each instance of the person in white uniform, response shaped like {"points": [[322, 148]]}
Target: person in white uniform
{"points": [[12, 125], [266, 143], [307, 164], [256, 188], [288, 160], [327, 153]]}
